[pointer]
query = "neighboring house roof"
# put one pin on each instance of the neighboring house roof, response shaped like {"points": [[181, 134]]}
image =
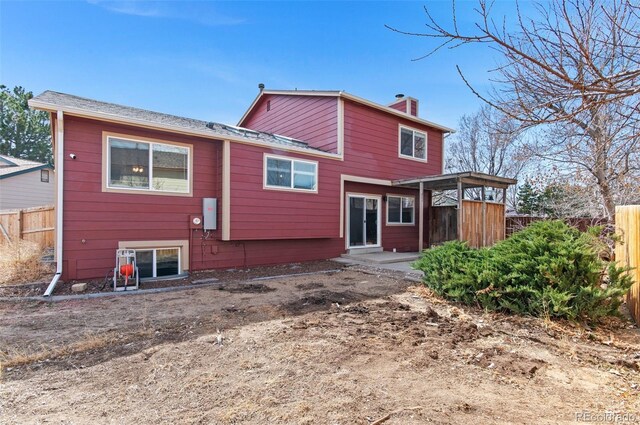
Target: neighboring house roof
{"points": [[74, 105], [10, 166], [345, 95]]}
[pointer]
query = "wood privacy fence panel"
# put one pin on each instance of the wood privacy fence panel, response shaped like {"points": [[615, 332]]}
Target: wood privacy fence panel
{"points": [[444, 224], [482, 223], [628, 252], [33, 224]]}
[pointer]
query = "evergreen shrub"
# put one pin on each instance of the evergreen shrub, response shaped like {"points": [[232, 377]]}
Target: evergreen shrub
{"points": [[549, 269]]}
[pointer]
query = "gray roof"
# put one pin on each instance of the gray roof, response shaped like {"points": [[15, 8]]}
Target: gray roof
{"points": [[10, 166], [64, 101]]}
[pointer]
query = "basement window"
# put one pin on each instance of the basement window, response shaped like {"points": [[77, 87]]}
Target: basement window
{"points": [[151, 166], [400, 209], [161, 262], [287, 173], [412, 144]]}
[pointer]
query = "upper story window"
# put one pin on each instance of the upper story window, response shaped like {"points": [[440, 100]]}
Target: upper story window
{"points": [[44, 176], [287, 173], [148, 166], [412, 144], [400, 209]]}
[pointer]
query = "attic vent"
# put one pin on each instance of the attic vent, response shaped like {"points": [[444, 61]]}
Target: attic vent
{"points": [[211, 125]]}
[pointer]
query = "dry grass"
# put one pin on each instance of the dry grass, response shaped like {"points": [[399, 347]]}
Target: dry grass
{"points": [[91, 342], [20, 262]]}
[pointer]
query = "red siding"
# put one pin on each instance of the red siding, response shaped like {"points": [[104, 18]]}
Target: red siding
{"points": [[400, 105], [101, 219], [402, 238], [274, 214], [313, 119], [267, 226], [414, 108], [95, 221], [371, 145]]}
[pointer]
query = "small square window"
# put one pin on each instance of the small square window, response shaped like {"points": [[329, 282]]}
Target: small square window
{"points": [[400, 210], [413, 144], [44, 176]]}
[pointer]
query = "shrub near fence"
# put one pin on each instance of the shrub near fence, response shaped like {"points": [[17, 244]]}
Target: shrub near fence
{"points": [[515, 223], [32, 224]]}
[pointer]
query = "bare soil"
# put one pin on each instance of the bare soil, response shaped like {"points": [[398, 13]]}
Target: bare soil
{"points": [[350, 347], [37, 288]]}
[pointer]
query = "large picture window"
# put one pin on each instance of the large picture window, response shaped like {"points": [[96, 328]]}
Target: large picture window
{"points": [[413, 144], [400, 209], [286, 173], [145, 165]]}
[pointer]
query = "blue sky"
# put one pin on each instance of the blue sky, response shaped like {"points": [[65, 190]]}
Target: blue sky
{"points": [[205, 59]]}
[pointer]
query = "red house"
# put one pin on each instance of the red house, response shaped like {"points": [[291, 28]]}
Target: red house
{"points": [[305, 175]]}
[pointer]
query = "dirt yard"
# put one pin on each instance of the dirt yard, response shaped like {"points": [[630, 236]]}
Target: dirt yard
{"points": [[349, 347]]}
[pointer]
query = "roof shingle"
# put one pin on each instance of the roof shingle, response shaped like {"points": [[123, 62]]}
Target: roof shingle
{"points": [[63, 100]]}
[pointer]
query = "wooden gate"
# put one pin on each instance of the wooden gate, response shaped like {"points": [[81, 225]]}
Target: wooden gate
{"points": [[628, 252]]}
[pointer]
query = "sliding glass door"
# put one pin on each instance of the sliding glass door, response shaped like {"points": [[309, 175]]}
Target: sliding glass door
{"points": [[364, 221]]}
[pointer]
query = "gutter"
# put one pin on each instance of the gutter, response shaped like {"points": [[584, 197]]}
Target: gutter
{"points": [[59, 167]]}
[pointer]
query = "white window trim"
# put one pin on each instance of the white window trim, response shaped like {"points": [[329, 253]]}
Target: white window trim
{"points": [[154, 264], [289, 189], [426, 144], [106, 169], [183, 244], [365, 196], [400, 223]]}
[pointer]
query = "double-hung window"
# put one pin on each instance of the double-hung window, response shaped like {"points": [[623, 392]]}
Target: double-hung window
{"points": [[148, 166], [412, 144], [400, 209], [287, 173]]}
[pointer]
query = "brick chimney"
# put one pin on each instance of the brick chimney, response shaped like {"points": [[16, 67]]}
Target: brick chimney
{"points": [[406, 104]]}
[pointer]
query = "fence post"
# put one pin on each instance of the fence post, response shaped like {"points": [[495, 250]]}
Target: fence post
{"points": [[20, 225], [628, 252]]}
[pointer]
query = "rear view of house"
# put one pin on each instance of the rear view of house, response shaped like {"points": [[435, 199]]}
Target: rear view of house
{"points": [[305, 175]]}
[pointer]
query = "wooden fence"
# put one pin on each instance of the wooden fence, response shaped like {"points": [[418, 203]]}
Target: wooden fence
{"points": [[628, 252], [482, 224], [33, 224], [516, 223]]}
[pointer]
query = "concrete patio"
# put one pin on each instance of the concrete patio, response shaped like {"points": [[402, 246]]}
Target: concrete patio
{"points": [[395, 261]]}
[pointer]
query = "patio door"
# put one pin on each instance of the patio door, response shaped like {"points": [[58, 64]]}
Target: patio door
{"points": [[364, 221]]}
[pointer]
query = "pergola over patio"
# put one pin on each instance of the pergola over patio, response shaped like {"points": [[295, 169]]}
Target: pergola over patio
{"points": [[480, 222]]}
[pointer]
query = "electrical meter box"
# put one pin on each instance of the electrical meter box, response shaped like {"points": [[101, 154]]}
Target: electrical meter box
{"points": [[209, 213]]}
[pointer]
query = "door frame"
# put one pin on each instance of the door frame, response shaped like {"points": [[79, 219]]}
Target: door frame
{"points": [[347, 237]]}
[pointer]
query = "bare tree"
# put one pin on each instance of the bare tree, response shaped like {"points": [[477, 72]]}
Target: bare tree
{"points": [[574, 69], [488, 142]]}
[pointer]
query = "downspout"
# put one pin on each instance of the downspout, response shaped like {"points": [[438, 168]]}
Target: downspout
{"points": [[444, 136], [59, 164]]}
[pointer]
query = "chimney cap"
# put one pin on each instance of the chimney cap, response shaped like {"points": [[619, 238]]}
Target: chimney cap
{"points": [[261, 86], [399, 96]]}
